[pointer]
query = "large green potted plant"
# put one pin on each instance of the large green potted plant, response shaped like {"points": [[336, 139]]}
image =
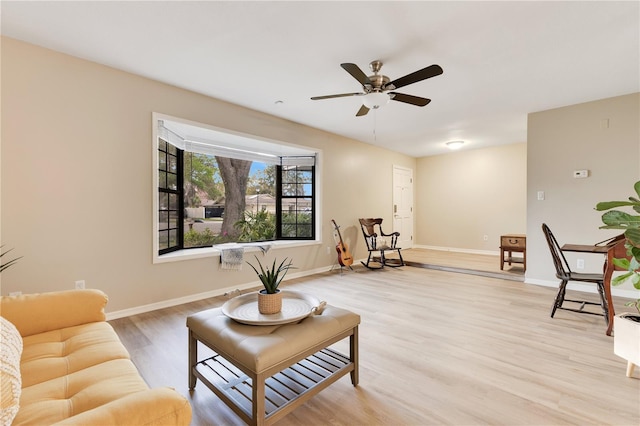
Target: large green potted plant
{"points": [[270, 298], [626, 325]]}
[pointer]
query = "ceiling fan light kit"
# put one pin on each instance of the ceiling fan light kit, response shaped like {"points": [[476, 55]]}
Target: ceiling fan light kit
{"points": [[376, 88], [375, 100]]}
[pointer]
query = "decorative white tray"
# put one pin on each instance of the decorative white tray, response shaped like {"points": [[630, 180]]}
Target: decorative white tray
{"points": [[295, 306]]}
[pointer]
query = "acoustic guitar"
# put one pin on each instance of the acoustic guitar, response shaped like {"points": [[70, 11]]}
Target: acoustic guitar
{"points": [[344, 257]]}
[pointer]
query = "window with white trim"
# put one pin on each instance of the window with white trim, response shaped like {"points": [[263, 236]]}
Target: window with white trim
{"points": [[216, 187]]}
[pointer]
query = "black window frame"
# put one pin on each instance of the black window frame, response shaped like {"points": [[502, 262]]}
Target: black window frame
{"points": [[179, 192], [280, 197]]}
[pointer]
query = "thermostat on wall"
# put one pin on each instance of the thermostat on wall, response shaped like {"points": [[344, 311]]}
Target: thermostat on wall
{"points": [[580, 173]]}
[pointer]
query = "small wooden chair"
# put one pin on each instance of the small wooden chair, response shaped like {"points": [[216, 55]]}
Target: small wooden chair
{"points": [[376, 242], [565, 274]]}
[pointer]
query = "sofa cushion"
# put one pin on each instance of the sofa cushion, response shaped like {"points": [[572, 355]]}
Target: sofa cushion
{"points": [[10, 383], [69, 371], [37, 313], [59, 352], [63, 397]]}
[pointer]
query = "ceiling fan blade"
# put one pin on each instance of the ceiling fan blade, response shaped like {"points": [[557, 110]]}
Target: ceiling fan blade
{"points": [[409, 99], [362, 111], [414, 77], [315, 98], [356, 73]]}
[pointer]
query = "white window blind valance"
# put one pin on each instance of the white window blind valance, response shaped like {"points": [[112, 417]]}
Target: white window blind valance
{"points": [[298, 160], [169, 136], [231, 150]]}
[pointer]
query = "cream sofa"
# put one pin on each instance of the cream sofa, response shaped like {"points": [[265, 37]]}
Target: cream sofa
{"points": [[73, 369]]}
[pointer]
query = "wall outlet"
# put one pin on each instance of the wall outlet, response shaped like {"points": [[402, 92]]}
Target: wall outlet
{"points": [[580, 264], [328, 250], [579, 174], [485, 238], [80, 285]]}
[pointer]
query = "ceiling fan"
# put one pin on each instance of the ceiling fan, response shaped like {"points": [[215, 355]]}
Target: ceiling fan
{"points": [[376, 88]]}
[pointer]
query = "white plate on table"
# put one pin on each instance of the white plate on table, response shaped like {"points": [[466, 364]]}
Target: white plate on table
{"points": [[295, 306]]}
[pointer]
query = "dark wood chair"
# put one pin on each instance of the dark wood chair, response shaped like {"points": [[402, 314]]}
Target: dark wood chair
{"points": [[565, 274], [378, 243]]}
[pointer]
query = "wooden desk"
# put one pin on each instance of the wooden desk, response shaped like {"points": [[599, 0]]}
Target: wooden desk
{"points": [[511, 243], [585, 248], [613, 248]]}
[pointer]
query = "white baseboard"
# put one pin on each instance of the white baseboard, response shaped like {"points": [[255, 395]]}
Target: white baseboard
{"points": [[200, 296], [459, 250], [618, 292], [624, 293]]}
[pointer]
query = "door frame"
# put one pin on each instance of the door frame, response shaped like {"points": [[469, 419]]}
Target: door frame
{"points": [[395, 176]]}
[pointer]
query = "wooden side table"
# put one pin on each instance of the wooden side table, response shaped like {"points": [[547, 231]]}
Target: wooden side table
{"points": [[513, 243]]}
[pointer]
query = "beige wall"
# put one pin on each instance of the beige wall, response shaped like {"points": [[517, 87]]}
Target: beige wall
{"points": [[573, 138], [76, 174], [465, 195], [76, 180]]}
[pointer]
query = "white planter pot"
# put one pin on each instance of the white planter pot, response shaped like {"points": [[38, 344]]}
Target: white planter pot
{"points": [[626, 340]]}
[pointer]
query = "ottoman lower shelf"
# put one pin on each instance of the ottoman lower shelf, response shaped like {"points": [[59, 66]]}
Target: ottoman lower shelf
{"points": [[306, 377]]}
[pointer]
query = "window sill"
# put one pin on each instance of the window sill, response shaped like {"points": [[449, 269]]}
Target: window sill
{"points": [[199, 253]]}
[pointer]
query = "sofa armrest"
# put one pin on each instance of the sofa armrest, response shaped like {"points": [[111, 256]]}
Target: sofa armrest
{"points": [[160, 406], [38, 313]]}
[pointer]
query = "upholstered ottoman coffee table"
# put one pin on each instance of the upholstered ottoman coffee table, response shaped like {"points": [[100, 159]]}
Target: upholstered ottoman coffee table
{"points": [[263, 372]]}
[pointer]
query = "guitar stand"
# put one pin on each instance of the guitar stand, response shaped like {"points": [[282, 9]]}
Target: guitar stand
{"points": [[342, 268]]}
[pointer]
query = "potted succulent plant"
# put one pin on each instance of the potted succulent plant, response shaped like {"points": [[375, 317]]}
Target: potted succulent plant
{"points": [[626, 325], [270, 298]]}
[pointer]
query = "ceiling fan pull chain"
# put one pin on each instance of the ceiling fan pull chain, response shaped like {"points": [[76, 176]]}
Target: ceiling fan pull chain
{"points": [[375, 122]]}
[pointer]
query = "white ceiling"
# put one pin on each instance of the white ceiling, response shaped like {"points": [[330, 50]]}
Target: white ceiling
{"points": [[501, 60]]}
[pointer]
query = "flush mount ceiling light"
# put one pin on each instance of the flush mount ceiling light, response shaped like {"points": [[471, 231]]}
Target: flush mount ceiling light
{"points": [[455, 144], [375, 100]]}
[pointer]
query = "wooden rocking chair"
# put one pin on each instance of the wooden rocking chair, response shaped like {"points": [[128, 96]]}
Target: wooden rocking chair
{"points": [[376, 241]]}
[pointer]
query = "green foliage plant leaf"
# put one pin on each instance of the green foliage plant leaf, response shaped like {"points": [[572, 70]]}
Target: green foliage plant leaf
{"points": [[621, 278], [616, 219], [620, 220], [608, 205], [271, 278], [633, 238], [622, 263], [9, 263], [260, 226]]}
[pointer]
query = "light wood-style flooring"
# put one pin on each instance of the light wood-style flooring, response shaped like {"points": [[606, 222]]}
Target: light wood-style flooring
{"points": [[436, 348], [469, 263]]}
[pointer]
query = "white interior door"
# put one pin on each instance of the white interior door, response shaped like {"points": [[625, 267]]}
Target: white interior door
{"points": [[403, 205]]}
